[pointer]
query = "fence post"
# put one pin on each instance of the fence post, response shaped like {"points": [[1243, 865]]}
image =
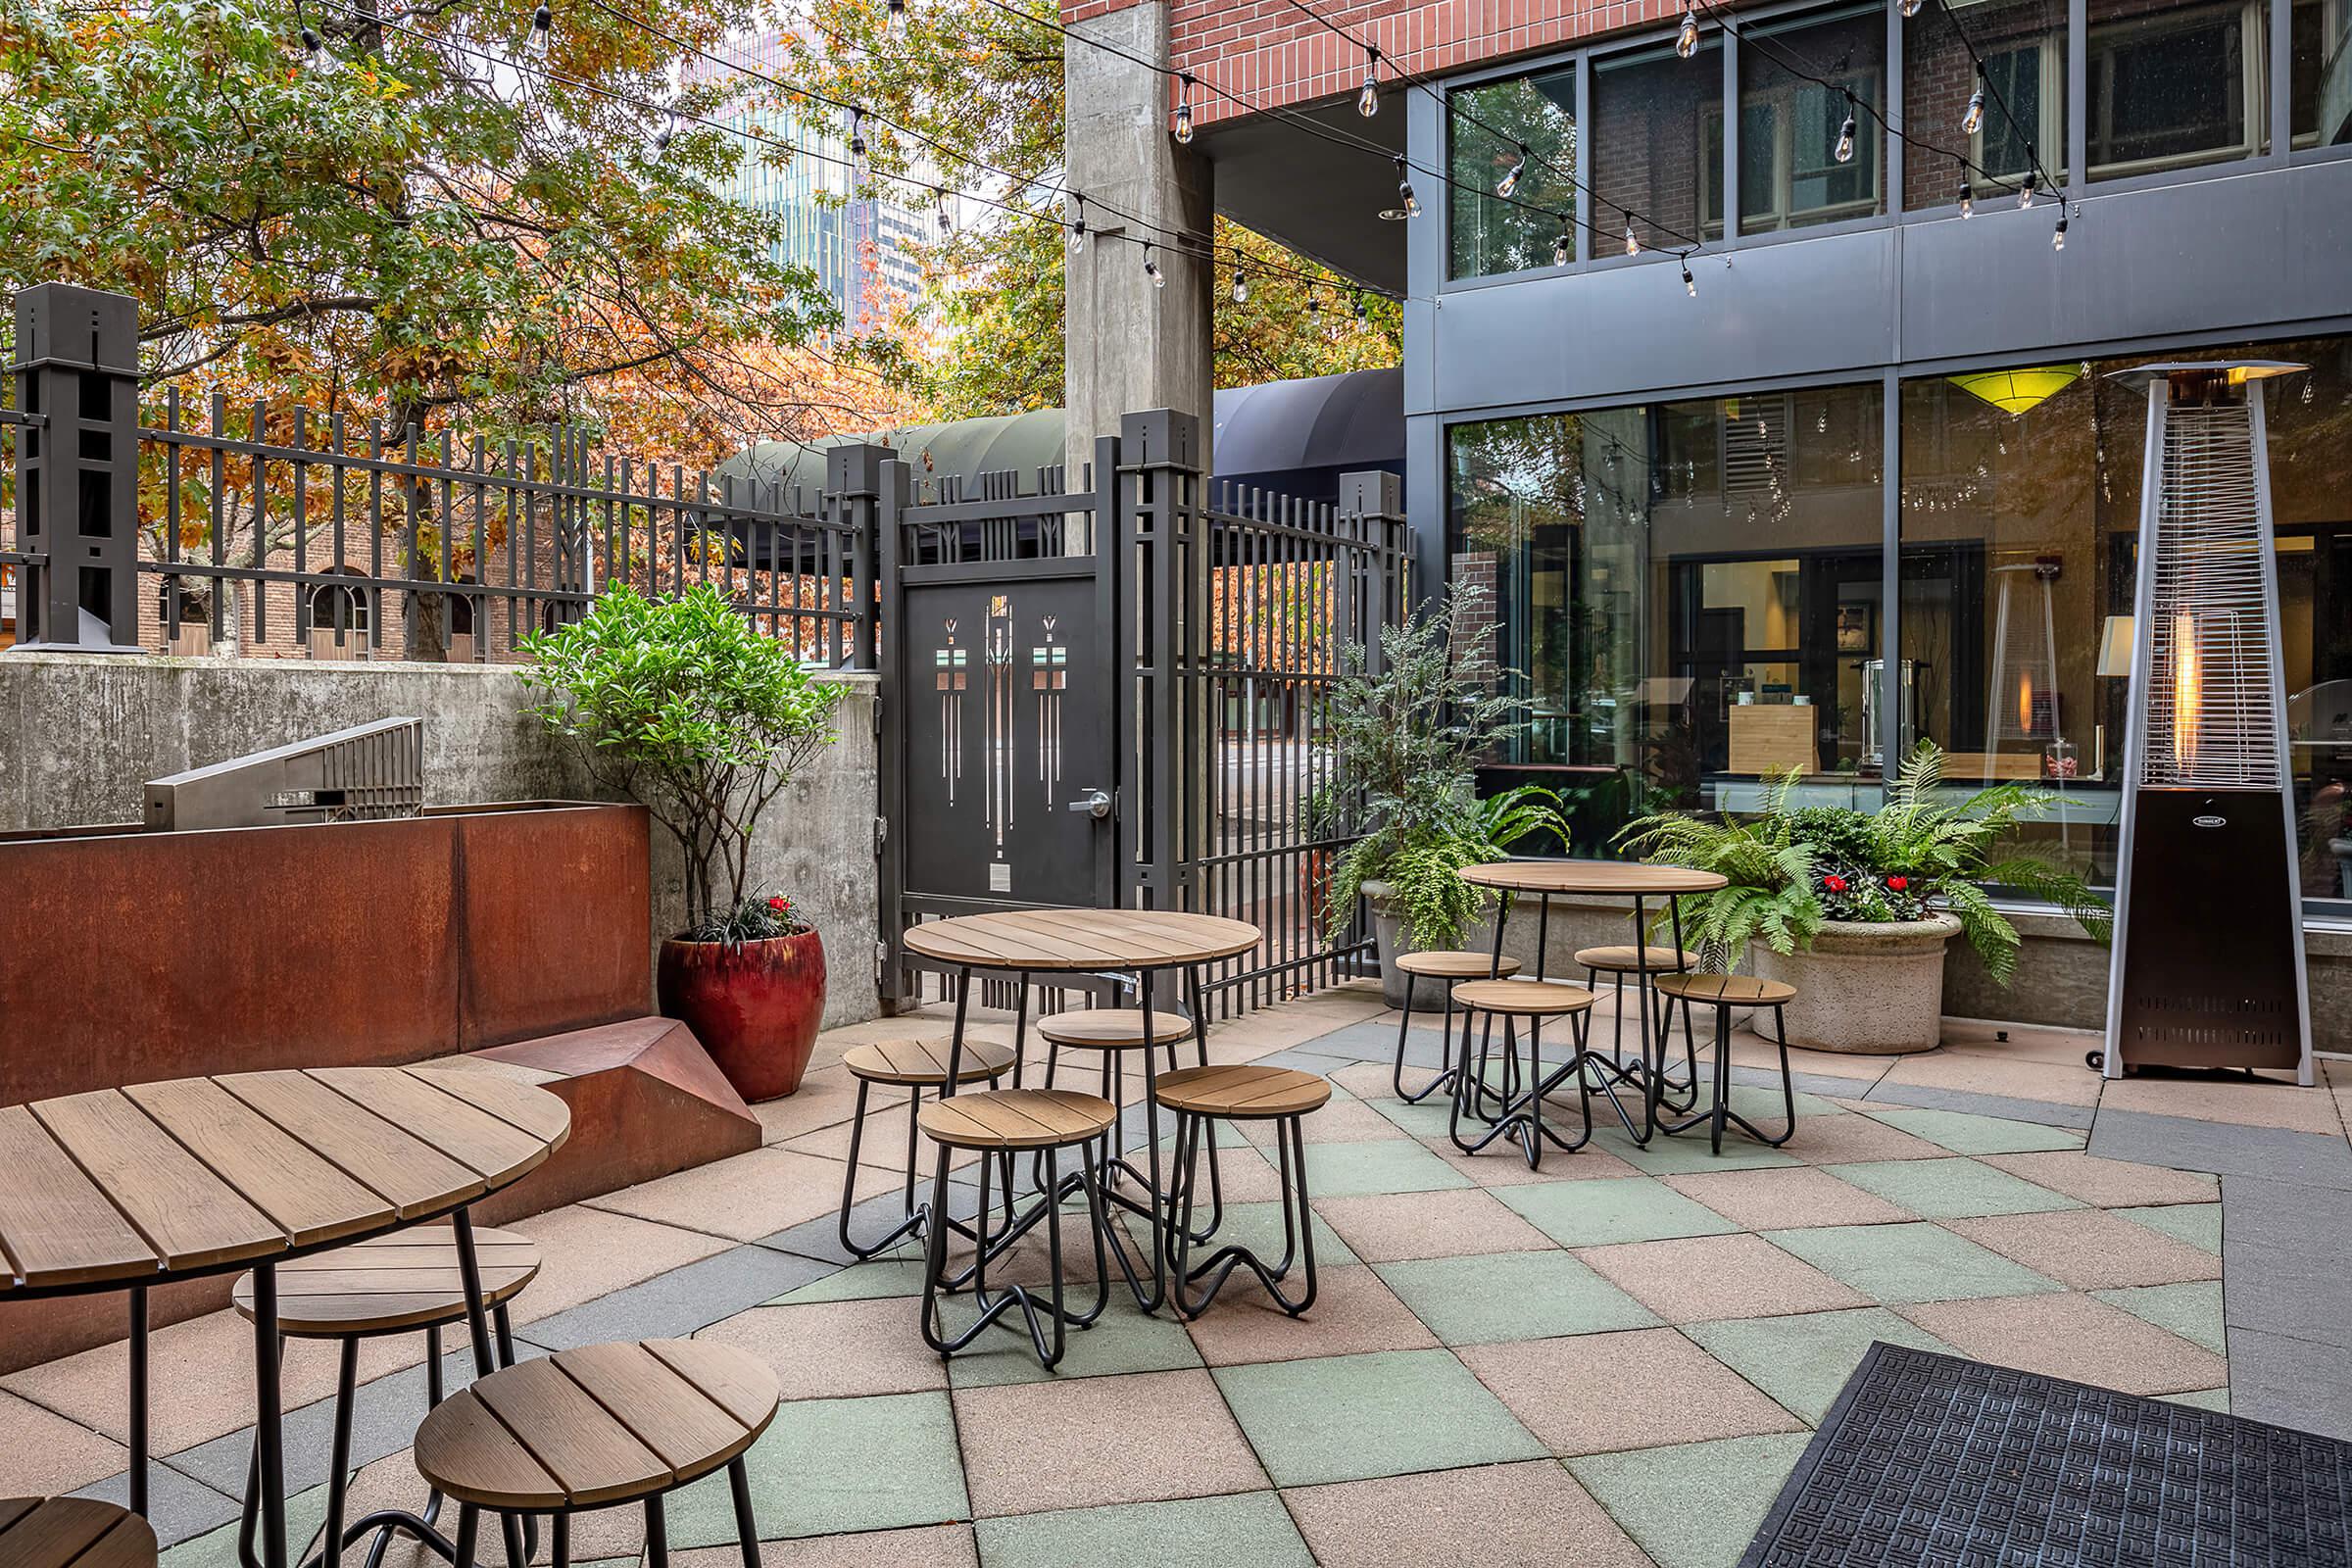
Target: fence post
{"points": [[77, 378], [854, 492], [1163, 545], [1375, 499]]}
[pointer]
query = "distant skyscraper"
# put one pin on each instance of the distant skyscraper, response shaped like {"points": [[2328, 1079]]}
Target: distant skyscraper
{"points": [[822, 230]]}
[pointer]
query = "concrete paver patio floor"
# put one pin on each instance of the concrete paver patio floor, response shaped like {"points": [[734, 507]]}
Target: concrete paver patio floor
{"points": [[1612, 1362]]}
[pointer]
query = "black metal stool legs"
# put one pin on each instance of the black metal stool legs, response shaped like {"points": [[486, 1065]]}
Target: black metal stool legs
{"points": [[1035, 1314], [1719, 1116], [1297, 1224]]}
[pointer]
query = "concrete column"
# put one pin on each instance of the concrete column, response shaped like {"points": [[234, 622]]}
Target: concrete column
{"points": [[1126, 345]]}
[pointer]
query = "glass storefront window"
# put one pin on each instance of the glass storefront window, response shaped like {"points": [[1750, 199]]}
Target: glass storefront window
{"points": [[1657, 145], [1686, 595], [2024, 45], [1491, 123], [2175, 85], [1789, 173], [2319, 94]]}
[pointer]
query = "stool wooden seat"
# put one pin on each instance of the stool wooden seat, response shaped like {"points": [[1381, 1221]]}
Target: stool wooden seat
{"points": [[1017, 1118], [1738, 990], [1112, 1028], [73, 1533], [392, 1284], [597, 1426], [1723, 992], [924, 1062], [1243, 1092], [1633, 961], [1522, 998], [1456, 965]]}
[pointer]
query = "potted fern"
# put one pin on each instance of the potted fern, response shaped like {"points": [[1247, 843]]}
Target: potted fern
{"points": [[1855, 908]]}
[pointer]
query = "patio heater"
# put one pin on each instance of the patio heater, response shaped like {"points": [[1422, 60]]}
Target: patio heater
{"points": [[2207, 970]]}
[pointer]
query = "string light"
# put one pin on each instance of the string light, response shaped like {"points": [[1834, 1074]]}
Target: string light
{"points": [[894, 14], [666, 134], [1510, 177], [543, 27], [1632, 243], [1240, 288], [1974, 120], [947, 224], [857, 131], [1559, 250], [1361, 312], [1367, 102], [1967, 193], [1314, 301], [1405, 200], [1690, 283], [1845, 133], [2025, 190], [1078, 227], [1184, 110], [1159, 280], [1910, 8], [317, 58], [1685, 38], [2058, 234]]}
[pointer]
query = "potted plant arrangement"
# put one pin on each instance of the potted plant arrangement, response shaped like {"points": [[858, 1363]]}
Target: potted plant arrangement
{"points": [[1854, 909], [1407, 739], [684, 706]]}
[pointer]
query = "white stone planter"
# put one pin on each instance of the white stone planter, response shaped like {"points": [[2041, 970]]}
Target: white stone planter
{"points": [[1874, 988]]}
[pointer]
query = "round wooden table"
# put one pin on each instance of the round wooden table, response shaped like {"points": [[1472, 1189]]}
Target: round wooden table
{"points": [[128, 1188], [1138, 942], [1623, 879]]}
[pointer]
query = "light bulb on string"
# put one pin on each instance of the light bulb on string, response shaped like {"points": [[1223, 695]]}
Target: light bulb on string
{"points": [[1685, 38], [543, 29], [1314, 301], [1910, 8], [1633, 242], [1407, 202], [1159, 280], [2058, 234], [1690, 283], [317, 58], [1362, 312], [946, 221], [1968, 194], [894, 14], [1184, 110], [857, 131], [1559, 250], [1240, 288], [666, 134], [2025, 188], [1845, 133], [1367, 102], [1510, 177], [1078, 225], [1974, 120]]}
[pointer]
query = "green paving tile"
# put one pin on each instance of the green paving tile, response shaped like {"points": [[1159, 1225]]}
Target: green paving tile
{"points": [[1696, 1505], [306, 1514], [1382, 1165], [861, 1282], [2198, 1224], [1965, 1134], [1387, 1413], [1950, 1188], [1685, 1154], [1804, 1361], [1761, 1103], [1597, 1214], [2193, 1310], [832, 1466], [1253, 1528], [1122, 1339], [1429, 1119], [1511, 1296], [2203, 1399], [1256, 1226], [1915, 1263]]}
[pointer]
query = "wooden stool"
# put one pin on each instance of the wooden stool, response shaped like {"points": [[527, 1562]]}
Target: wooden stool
{"points": [[1723, 992], [73, 1533], [1619, 962], [1006, 1123], [1440, 966], [598, 1427], [1531, 1001], [1281, 1095], [397, 1283], [915, 1066]]}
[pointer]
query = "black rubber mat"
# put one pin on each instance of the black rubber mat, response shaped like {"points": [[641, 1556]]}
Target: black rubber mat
{"points": [[1929, 1459]]}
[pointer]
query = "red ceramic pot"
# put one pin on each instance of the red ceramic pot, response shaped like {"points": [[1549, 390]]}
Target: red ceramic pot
{"points": [[756, 1008]]}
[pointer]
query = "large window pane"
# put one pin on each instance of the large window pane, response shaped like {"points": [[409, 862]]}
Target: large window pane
{"points": [[2024, 46], [2320, 104], [1789, 173], [1657, 145], [1490, 126], [2174, 87], [1687, 594]]}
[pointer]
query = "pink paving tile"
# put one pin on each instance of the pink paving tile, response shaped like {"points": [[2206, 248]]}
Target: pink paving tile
{"points": [[883, 1147], [45, 1454], [1862, 1069], [1354, 1311], [587, 1253], [742, 1198], [1087, 1442], [1694, 1279], [1387, 1227], [2256, 1105], [2090, 1249], [202, 1372], [1983, 1073], [826, 1096], [1502, 1516], [2024, 1042], [1343, 1122], [2108, 1182], [2071, 1336], [1785, 1199], [1848, 1137], [1500, 1163], [1638, 1389], [836, 1350]]}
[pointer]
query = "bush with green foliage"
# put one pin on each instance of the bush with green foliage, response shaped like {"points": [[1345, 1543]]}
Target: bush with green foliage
{"points": [[683, 705]]}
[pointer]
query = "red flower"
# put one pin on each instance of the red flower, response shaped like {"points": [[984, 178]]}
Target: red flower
{"points": [[1896, 884], [1834, 883], [779, 904]]}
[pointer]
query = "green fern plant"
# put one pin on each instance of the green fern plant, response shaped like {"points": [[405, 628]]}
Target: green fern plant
{"points": [[1768, 892]]}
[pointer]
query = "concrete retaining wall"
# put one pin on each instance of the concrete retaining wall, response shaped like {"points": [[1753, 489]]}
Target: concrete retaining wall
{"points": [[81, 735]]}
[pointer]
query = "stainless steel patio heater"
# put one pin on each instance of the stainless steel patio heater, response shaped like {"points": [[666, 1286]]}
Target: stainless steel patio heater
{"points": [[2208, 967]]}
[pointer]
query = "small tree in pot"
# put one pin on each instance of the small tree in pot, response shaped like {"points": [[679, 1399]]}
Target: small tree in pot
{"points": [[1854, 907], [683, 706]]}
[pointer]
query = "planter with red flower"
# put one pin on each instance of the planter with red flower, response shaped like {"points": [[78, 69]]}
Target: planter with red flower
{"points": [[1854, 909], [684, 706]]}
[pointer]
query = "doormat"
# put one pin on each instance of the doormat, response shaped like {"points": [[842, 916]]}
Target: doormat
{"points": [[1933, 1460]]}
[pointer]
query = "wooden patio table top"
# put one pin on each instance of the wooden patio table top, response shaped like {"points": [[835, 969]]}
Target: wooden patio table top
{"points": [[1621, 878], [125, 1187], [1070, 939]]}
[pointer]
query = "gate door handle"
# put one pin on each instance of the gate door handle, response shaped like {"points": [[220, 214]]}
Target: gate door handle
{"points": [[1094, 803]]}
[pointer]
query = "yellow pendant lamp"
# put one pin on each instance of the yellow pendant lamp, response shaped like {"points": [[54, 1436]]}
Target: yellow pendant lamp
{"points": [[2013, 392]]}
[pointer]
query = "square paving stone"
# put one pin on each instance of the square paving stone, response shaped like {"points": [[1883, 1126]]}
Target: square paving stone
{"points": [[1349, 1417], [1687, 1153], [1144, 1437], [890, 1275], [1603, 1393], [2110, 1183], [831, 1349], [1384, 1166], [2192, 1310], [1499, 1164], [1918, 1262], [1801, 1194], [836, 1466], [1531, 1515], [2090, 1249], [1696, 1505], [1804, 1361], [1511, 1296], [936, 1546], [2198, 1224], [744, 1198], [2071, 1336], [1256, 1226], [1429, 1118], [1595, 1214], [1697, 1277], [1964, 1133], [1354, 1311], [1253, 1528], [1122, 1339], [1845, 1139], [1389, 1226], [1949, 1189]]}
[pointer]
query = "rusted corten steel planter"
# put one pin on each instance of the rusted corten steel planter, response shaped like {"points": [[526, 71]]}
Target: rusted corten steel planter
{"points": [[755, 1006]]}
